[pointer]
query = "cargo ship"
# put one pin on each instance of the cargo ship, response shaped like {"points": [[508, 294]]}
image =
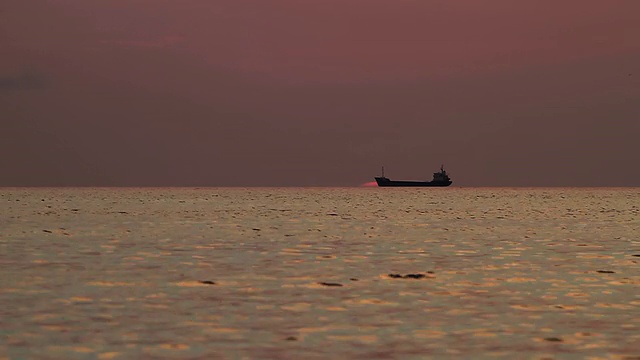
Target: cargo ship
{"points": [[440, 178]]}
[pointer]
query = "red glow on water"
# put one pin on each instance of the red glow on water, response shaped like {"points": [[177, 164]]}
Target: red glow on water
{"points": [[370, 183]]}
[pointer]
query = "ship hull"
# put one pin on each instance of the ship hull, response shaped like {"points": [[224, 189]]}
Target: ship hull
{"points": [[384, 182]]}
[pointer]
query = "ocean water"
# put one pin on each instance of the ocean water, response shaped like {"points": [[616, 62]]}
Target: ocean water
{"points": [[293, 273]]}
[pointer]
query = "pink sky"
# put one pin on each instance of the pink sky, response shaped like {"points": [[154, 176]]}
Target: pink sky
{"points": [[318, 92]]}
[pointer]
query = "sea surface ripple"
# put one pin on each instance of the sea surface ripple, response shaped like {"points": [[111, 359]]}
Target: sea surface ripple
{"points": [[282, 273]]}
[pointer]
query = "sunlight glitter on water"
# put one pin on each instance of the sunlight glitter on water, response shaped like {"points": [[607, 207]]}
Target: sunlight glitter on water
{"points": [[319, 272]]}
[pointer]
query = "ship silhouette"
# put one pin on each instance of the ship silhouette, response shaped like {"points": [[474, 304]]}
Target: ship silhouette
{"points": [[440, 178]]}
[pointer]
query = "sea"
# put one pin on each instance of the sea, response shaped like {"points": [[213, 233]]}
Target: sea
{"points": [[320, 273]]}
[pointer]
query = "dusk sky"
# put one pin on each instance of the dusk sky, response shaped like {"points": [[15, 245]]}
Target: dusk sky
{"points": [[319, 92]]}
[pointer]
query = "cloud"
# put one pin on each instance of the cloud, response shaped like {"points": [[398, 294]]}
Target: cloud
{"points": [[26, 80]]}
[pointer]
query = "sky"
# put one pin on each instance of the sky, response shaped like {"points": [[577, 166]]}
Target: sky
{"points": [[319, 92]]}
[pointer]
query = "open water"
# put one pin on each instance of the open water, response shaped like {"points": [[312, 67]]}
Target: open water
{"points": [[317, 273]]}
